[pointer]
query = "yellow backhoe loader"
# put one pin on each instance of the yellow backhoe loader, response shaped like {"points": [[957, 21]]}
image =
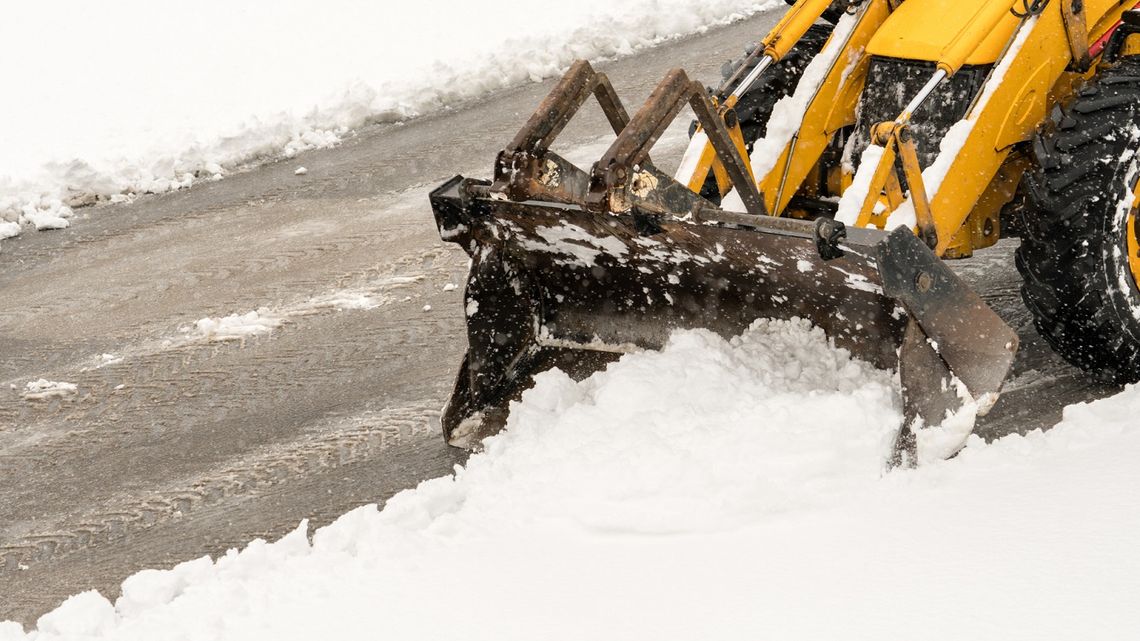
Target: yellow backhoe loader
{"points": [[853, 151]]}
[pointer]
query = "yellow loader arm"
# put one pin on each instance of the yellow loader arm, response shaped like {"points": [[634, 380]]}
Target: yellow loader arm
{"points": [[1038, 60], [950, 34]]}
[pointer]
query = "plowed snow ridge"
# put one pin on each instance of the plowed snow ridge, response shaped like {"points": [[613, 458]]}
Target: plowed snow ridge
{"points": [[142, 96], [716, 489]]}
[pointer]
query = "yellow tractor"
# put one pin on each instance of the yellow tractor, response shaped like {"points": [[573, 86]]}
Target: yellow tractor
{"points": [[852, 152]]}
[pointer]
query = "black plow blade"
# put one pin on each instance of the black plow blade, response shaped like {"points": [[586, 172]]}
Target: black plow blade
{"points": [[555, 285]]}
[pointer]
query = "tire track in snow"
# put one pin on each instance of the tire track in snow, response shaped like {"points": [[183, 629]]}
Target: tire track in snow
{"points": [[335, 442]]}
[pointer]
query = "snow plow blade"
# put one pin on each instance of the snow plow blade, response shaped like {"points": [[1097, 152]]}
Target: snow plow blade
{"points": [[557, 286], [571, 269]]}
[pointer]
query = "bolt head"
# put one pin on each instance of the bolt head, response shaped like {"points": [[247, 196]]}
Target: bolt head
{"points": [[924, 282]]}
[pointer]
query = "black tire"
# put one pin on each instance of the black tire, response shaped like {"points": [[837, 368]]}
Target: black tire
{"points": [[1073, 256], [755, 107]]}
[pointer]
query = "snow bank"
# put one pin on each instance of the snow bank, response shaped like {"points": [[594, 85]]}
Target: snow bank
{"points": [[715, 490], [141, 96]]}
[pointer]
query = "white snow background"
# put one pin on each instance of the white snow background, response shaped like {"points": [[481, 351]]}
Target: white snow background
{"points": [[132, 96], [714, 490]]}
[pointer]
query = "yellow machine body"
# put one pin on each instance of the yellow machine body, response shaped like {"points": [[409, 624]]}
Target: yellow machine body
{"points": [[950, 32], [1034, 73]]}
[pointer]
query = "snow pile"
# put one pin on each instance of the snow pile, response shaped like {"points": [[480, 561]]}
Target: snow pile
{"points": [[142, 96], [48, 213], [704, 436], [235, 327], [9, 230], [44, 389], [716, 489], [340, 301]]}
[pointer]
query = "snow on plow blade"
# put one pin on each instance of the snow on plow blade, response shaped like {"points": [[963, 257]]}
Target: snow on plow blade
{"points": [[570, 269]]}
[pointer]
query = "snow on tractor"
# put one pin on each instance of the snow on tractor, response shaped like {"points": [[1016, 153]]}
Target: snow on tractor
{"points": [[842, 162]]}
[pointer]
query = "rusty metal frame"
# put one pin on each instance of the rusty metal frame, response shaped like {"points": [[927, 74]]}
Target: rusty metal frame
{"points": [[618, 177], [526, 168], [625, 178]]}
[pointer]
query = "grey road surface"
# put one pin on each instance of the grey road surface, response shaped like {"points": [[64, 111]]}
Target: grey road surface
{"points": [[175, 445]]}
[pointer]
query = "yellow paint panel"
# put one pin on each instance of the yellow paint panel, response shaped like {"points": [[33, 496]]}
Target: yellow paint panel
{"points": [[933, 30], [1131, 46], [936, 30], [1010, 114]]}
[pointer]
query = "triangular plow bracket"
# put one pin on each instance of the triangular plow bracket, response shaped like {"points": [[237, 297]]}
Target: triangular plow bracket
{"points": [[521, 171], [617, 184], [900, 158]]}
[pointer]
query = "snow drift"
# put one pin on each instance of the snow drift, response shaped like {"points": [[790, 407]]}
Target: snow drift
{"points": [[142, 96], [717, 489]]}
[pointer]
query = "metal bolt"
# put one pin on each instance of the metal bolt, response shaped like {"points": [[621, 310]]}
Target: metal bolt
{"points": [[924, 281]]}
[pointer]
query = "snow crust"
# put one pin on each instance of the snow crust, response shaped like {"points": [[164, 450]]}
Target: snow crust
{"points": [[43, 389], [853, 198], [939, 442], [714, 490], [1124, 279], [134, 96], [236, 327], [692, 158]]}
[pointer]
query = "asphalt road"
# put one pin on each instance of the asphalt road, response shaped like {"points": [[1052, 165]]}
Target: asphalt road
{"points": [[175, 446]]}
